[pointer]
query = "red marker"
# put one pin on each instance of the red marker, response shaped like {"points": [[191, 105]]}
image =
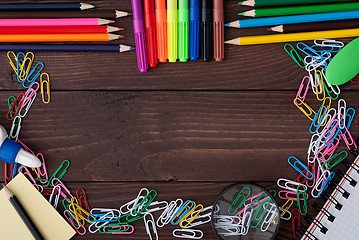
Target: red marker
{"points": [[150, 26]]}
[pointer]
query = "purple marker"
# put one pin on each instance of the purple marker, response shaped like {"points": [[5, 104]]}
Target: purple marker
{"points": [[140, 35]]}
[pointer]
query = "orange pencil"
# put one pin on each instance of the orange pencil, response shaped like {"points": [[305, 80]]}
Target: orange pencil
{"points": [[100, 37], [161, 28]]}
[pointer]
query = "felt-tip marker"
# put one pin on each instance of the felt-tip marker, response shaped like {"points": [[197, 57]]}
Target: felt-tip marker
{"points": [[206, 30], [183, 30], [140, 35], [194, 29], [218, 30], [172, 21], [161, 29], [150, 26]]}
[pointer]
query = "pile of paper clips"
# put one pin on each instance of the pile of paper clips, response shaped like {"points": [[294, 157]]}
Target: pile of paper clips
{"points": [[329, 125]]}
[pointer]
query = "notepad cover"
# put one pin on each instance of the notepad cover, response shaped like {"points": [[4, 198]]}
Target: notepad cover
{"points": [[48, 221]]}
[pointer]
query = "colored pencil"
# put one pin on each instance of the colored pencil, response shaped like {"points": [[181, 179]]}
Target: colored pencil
{"points": [[66, 47], [108, 14], [308, 27], [257, 3], [58, 29], [84, 37], [45, 6], [270, 12], [55, 22], [272, 21], [291, 37]]}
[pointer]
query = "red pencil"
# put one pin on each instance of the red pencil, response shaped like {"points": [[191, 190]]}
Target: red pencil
{"points": [[57, 29], [151, 35]]}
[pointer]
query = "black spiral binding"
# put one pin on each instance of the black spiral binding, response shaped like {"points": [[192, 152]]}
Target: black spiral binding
{"points": [[310, 219], [352, 165], [351, 181], [337, 204], [319, 208], [340, 189], [304, 232]]}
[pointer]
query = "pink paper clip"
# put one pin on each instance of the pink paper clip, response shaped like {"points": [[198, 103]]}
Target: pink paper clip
{"points": [[117, 229], [287, 195], [249, 201], [63, 188], [42, 173], [9, 168], [28, 174], [348, 139], [83, 196], [25, 147], [71, 218], [302, 91]]}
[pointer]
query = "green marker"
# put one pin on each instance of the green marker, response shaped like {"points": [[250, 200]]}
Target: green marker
{"points": [[183, 30]]}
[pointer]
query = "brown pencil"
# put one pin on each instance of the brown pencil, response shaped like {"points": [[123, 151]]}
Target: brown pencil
{"points": [[293, 28], [108, 14]]}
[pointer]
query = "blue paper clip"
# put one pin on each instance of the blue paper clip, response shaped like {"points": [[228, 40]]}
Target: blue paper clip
{"points": [[31, 73], [182, 211], [14, 172], [296, 167], [326, 183], [317, 122], [100, 218], [349, 119], [328, 133], [309, 51]]}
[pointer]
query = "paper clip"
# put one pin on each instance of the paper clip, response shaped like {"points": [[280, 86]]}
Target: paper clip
{"points": [[12, 58], [288, 184], [318, 185], [56, 190], [348, 139], [71, 219], [240, 195], [100, 223], [311, 167], [303, 90], [298, 165], [188, 218], [284, 209], [294, 55], [14, 110], [301, 194], [268, 219], [63, 187], [319, 89], [273, 192], [45, 81], [114, 228], [82, 198], [43, 177], [156, 206], [261, 212], [199, 219], [288, 195], [9, 103], [139, 198], [296, 223], [326, 184], [29, 176], [182, 211], [27, 62], [15, 128], [309, 51], [350, 116], [27, 105], [168, 213], [317, 120], [37, 74], [338, 157], [151, 221], [146, 201], [188, 233], [9, 168], [20, 73], [61, 175], [306, 109], [334, 44]]}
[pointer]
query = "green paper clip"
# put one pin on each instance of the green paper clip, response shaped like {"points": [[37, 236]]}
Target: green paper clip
{"points": [[294, 55], [327, 164], [304, 196], [240, 194], [59, 169]]}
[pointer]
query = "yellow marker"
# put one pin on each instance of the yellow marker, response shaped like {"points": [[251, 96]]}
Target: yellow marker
{"points": [[172, 22], [294, 37]]}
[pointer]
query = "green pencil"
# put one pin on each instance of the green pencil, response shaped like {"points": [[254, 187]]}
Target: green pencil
{"points": [[253, 3], [270, 12]]}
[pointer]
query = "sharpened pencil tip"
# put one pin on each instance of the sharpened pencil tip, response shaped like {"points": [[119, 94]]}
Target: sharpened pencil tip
{"points": [[226, 25], [111, 21], [241, 14], [225, 41], [240, 3], [133, 48]]}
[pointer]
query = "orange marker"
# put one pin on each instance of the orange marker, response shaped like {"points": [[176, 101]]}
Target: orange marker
{"points": [[161, 27]]}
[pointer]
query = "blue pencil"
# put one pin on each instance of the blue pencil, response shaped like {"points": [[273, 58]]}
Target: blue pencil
{"points": [[305, 18], [66, 47], [44, 6]]}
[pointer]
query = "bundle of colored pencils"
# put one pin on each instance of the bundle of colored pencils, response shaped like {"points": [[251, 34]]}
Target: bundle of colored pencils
{"points": [[300, 20]]}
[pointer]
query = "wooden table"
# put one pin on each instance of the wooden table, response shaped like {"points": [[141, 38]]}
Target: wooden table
{"points": [[188, 130]]}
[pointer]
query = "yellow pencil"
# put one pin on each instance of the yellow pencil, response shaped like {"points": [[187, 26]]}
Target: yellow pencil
{"points": [[293, 37]]}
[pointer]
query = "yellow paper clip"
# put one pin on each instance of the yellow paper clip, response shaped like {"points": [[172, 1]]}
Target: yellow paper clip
{"points": [[44, 81], [80, 213], [308, 111], [12, 57], [197, 212], [321, 91], [27, 63], [327, 102]]}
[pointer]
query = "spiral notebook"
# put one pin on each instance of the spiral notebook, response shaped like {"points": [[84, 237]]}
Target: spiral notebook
{"points": [[346, 221]]}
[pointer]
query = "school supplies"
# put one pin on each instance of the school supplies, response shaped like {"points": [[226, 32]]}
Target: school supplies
{"points": [[172, 33], [257, 3], [289, 37], [45, 6], [194, 29], [12, 152], [307, 27], [344, 65], [161, 29], [74, 37], [55, 22], [151, 35], [305, 18], [140, 35], [206, 44], [66, 47], [22, 213], [218, 30], [183, 30], [58, 29], [107, 14], [336, 218], [49, 223], [270, 12]]}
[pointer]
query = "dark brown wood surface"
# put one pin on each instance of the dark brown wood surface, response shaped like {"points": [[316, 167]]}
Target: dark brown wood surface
{"points": [[188, 130]]}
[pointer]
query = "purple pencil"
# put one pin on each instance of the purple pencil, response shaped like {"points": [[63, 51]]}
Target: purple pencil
{"points": [[140, 35]]}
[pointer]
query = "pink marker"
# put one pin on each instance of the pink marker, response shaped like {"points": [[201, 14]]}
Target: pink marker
{"points": [[54, 22]]}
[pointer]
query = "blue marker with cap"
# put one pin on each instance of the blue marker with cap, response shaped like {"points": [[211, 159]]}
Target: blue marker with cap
{"points": [[194, 31], [12, 152]]}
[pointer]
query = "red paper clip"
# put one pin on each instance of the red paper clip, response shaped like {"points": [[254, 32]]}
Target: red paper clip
{"points": [[13, 105], [9, 168], [48, 191], [296, 223], [81, 197]]}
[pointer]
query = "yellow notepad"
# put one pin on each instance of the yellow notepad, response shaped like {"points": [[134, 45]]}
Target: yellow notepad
{"points": [[48, 221]]}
